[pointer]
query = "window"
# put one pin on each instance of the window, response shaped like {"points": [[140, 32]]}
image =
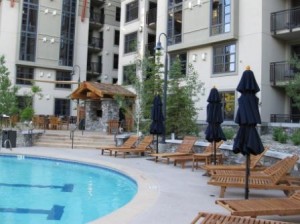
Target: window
{"points": [[24, 73], [224, 58], [130, 42], [129, 73], [116, 61], [67, 33], [220, 17], [118, 14], [175, 24], [228, 100], [132, 11], [62, 107], [183, 62], [28, 31], [63, 76], [117, 38]]}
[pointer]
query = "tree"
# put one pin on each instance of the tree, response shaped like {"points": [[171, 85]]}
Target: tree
{"points": [[293, 87], [145, 79], [8, 92], [182, 94]]}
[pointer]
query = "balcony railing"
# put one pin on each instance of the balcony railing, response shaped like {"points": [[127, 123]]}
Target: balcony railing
{"points": [[95, 42], [96, 17], [93, 67], [151, 17], [150, 48], [281, 73], [286, 19], [285, 118]]}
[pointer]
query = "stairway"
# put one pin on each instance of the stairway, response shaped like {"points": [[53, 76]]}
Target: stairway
{"points": [[82, 140]]}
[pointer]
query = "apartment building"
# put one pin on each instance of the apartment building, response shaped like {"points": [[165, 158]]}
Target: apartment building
{"points": [[220, 38], [57, 42]]}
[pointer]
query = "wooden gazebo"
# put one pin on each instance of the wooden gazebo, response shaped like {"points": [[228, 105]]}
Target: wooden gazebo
{"points": [[100, 107]]}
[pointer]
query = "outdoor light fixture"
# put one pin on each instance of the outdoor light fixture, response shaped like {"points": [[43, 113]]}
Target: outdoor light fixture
{"points": [[159, 47], [194, 57], [203, 56]]}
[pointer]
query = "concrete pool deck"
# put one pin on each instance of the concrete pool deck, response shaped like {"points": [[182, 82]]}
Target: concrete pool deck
{"points": [[166, 194]]}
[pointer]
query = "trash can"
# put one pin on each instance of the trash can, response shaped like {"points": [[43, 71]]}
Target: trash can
{"points": [[11, 136]]}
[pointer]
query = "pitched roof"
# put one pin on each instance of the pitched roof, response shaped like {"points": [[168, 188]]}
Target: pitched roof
{"points": [[95, 90]]}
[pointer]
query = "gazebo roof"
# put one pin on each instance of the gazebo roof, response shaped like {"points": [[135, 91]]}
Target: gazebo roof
{"points": [[95, 91]]}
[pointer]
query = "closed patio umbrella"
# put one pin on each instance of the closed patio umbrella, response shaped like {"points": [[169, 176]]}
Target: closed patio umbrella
{"points": [[247, 140], [157, 126], [214, 132]]}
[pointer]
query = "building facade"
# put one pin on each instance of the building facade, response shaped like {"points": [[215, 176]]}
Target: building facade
{"points": [[56, 42], [220, 38]]}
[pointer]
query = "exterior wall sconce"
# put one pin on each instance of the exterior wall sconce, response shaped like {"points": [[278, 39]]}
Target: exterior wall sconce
{"points": [[49, 75], [54, 13], [203, 56], [194, 57], [199, 3], [41, 74], [107, 28], [52, 41], [48, 97], [44, 39], [46, 11], [190, 5], [141, 28]]}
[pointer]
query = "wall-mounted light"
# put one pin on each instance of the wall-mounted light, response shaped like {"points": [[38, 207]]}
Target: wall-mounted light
{"points": [[54, 13], [49, 75], [105, 76], [194, 57], [52, 41], [107, 28], [41, 74], [203, 56], [190, 5], [48, 97], [141, 28], [44, 39], [46, 11], [199, 3]]}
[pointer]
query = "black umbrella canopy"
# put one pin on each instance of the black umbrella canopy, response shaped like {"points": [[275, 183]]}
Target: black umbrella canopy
{"points": [[247, 140], [214, 132], [157, 126]]}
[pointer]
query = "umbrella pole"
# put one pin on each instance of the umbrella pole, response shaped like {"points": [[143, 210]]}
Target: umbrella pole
{"points": [[215, 153], [157, 143], [247, 176]]}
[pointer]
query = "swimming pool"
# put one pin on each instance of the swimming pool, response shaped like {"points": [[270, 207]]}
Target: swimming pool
{"points": [[39, 190]]}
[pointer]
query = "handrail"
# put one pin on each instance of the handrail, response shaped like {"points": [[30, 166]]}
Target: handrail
{"points": [[74, 128], [4, 143]]}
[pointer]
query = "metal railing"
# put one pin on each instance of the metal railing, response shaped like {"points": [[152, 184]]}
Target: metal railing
{"points": [[281, 71], [285, 118], [285, 19], [74, 127], [96, 42]]}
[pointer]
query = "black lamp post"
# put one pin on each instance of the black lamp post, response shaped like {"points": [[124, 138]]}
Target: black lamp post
{"points": [[158, 47]]}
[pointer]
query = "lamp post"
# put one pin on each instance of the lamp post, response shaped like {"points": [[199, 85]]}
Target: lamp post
{"points": [[77, 67], [158, 47]]}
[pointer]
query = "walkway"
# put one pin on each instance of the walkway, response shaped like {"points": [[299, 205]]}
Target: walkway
{"points": [[167, 194]]}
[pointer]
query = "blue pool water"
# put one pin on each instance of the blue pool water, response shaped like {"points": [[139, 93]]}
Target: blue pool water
{"points": [[41, 191]]}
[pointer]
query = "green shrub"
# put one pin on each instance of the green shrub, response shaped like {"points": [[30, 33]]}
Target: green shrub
{"points": [[296, 137], [229, 133], [27, 114], [283, 137], [277, 132]]}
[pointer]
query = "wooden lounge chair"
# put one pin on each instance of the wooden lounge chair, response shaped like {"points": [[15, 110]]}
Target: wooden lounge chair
{"points": [[275, 181], [129, 143], [254, 164], [185, 148], [205, 156], [142, 147], [261, 207], [213, 218]]}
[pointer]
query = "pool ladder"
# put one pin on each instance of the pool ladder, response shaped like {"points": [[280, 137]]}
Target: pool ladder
{"points": [[9, 142]]}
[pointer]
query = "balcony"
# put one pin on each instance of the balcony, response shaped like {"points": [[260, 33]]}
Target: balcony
{"points": [[281, 73], [151, 18], [96, 20], [285, 118], [93, 68], [286, 24], [150, 48], [95, 44]]}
